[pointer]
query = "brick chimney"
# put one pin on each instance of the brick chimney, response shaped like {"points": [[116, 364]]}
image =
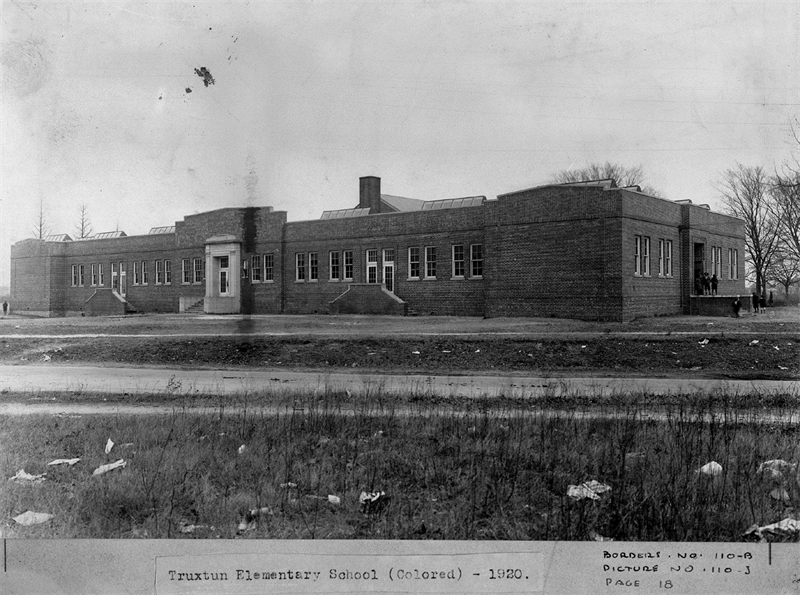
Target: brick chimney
{"points": [[370, 195]]}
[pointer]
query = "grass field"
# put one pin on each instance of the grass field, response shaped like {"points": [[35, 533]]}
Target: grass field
{"points": [[494, 471]]}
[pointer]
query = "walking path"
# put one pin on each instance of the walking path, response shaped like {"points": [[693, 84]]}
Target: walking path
{"points": [[122, 380]]}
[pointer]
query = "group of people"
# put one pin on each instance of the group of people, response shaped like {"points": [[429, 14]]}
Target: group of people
{"points": [[705, 285], [759, 304]]}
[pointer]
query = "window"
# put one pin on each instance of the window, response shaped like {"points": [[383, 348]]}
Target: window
{"points": [[255, 268], [372, 266], [660, 258], [144, 272], [430, 262], [74, 275], [333, 257], [159, 272], [476, 258], [80, 275], [668, 258], [459, 264], [137, 274], [114, 276], [313, 266], [186, 271], [269, 267], [716, 261], [733, 263], [348, 265], [300, 267], [197, 267], [167, 272], [100, 274], [94, 275], [642, 256], [413, 263]]}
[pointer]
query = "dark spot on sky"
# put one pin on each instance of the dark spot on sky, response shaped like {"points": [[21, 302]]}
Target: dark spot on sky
{"points": [[188, 89], [204, 74], [160, 97]]}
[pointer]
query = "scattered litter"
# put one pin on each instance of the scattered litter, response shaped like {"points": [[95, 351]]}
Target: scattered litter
{"points": [[588, 489], [32, 518], [712, 468], [583, 346], [775, 468], [251, 517], [782, 368], [477, 351], [334, 499], [709, 324], [126, 445], [45, 357], [109, 467], [703, 342], [415, 352], [22, 477], [754, 342], [598, 537], [373, 502], [776, 348], [109, 446], [192, 528], [695, 368], [69, 462], [289, 485], [779, 494], [786, 528], [446, 351], [242, 448]]}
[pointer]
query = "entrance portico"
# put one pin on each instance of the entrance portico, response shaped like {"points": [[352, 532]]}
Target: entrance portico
{"points": [[223, 281]]}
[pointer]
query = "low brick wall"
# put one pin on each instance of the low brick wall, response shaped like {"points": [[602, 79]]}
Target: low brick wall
{"points": [[368, 298], [104, 302], [717, 305]]}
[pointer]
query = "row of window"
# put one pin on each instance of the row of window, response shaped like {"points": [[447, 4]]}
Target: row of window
{"points": [[641, 263], [641, 266], [341, 263], [192, 271], [733, 262]]}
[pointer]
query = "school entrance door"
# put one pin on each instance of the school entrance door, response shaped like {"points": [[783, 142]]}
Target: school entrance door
{"points": [[223, 281]]}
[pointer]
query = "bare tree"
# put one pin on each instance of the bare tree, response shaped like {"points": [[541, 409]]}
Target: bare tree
{"points": [[784, 269], [746, 192], [623, 175], [84, 226], [41, 229]]}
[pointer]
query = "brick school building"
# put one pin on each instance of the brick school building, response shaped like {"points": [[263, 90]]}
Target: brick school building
{"points": [[589, 250]]}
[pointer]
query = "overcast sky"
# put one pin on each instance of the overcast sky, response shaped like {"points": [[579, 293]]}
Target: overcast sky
{"points": [[101, 104]]}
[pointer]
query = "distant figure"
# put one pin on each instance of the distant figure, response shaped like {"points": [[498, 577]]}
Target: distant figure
{"points": [[714, 283], [771, 299], [737, 307], [5, 307], [698, 285], [706, 284], [762, 305], [755, 303]]}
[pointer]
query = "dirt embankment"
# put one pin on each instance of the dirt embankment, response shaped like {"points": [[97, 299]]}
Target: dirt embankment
{"points": [[772, 357]]}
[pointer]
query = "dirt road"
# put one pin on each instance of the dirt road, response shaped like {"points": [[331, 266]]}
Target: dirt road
{"points": [[125, 380]]}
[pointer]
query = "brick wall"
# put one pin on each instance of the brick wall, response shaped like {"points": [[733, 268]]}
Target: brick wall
{"points": [[444, 295], [554, 252], [549, 251]]}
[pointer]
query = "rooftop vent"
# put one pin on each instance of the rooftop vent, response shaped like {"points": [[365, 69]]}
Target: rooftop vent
{"points": [[453, 203], [345, 213], [164, 229], [109, 234]]}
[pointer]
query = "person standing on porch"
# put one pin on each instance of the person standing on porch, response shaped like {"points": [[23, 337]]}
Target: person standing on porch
{"points": [[714, 283]]}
